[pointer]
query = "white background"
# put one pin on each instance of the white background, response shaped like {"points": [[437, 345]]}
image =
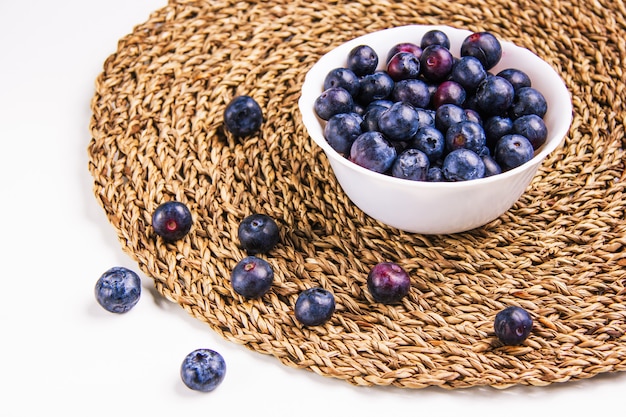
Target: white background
{"points": [[60, 353]]}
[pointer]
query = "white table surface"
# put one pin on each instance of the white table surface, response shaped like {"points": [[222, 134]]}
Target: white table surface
{"points": [[60, 352]]}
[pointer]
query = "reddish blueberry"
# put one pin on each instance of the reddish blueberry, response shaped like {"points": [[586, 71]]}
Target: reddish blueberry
{"points": [[513, 325], [388, 282], [172, 220]]}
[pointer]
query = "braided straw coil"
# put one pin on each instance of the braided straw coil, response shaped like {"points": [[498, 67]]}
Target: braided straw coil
{"points": [[157, 135]]}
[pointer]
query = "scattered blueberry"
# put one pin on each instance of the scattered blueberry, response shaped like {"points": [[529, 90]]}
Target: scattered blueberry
{"points": [[463, 165], [252, 277], [314, 306], [203, 370], [484, 46], [118, 290], [372, 151], [513, 325], [258, 233], [171, 220], [243, 116], [512, 151], [333, 101], [362, 60], [388, 282], [411, 164]]}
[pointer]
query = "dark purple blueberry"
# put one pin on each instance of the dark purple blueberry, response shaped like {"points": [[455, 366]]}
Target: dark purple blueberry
{"points": [[436, 63], [528, 101], [372, 151], [512, 151], [405, 47], [370, 118], [435, 37], [362, 60], [413, 92], [118, 290], [484, 46], [447, 115], [243, 116], [203, 370], [494, 96], [491, 166], [449, 92], [403, 66], [252, 277], [463, 165], [332, 101], [466, 134], [399, 122], [513, 325], [341, 130], [344, 78], [388, 282], [516, 77], [533, 128], [258, 233], [411, 164], [429, 140], [171, 220], [435, 174], [469, 72], [473, 116], [376, 86], [496, 127], [314, 306]]}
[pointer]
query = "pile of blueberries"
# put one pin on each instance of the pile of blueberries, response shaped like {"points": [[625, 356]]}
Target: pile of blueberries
{"points": [[432, 116]]}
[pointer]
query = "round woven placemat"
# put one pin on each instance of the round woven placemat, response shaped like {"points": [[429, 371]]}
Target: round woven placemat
{"points": [[157, 135]]}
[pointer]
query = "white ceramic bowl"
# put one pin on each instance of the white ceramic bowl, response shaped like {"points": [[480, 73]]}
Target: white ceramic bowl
{"points": [[436, 208]]}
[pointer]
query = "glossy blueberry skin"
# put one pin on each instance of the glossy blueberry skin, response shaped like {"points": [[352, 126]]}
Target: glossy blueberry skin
{"points": [[435, 174], [533, 128], [405, 47], [314, 306], [203, 370], [449, 92], [344, 78], [252, 277], [466, 134], [362, 60], [513, 325], [399, 122], [412, 164], [403, 66], [447, 115], [473, 116], [496, 127], [491, 166], [528, 101], [426, 116], [172, 220], [412, 91], [469, 72], [118, 290], [376, 86], [243, 116], [372, 151], [388, 282], [463, 165], [332, 101], [494, 96], [516, 77], [341, 130], [484, 46], [258, 233], [512, 151], [429, 140], [436, 63], [435, 37], [370, 118]]}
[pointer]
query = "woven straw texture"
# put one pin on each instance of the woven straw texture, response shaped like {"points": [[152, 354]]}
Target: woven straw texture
{"points": [[157, 135]]}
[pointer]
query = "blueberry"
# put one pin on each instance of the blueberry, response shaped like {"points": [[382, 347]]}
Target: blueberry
{"points": [[252, 277], [399, 122], [333, 101], [171, 220], [411, 164], [533, 128], [491, 166], [341, 130], [435, 37], [512, 151], [494, 96], [258, 233], [118, 290], [436, 63], [473, 116], [376, 86], [463, 165], [469, 72], [426, 116], [484, 46], [388, 282], [496, 127], [412, 91], [516, 77], [203, 370], [528, 101], [372, 151], [466, 134], [344, 78], [362, 60], [447, 115], [435, 174], [243, 116], [429, 140], [403, 66], [449, 92], [405, 47], [314, 306], [513, 325], [370, 118]]}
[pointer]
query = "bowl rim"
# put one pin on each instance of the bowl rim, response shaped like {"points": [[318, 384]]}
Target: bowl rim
{"points": [[309, 116]]}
